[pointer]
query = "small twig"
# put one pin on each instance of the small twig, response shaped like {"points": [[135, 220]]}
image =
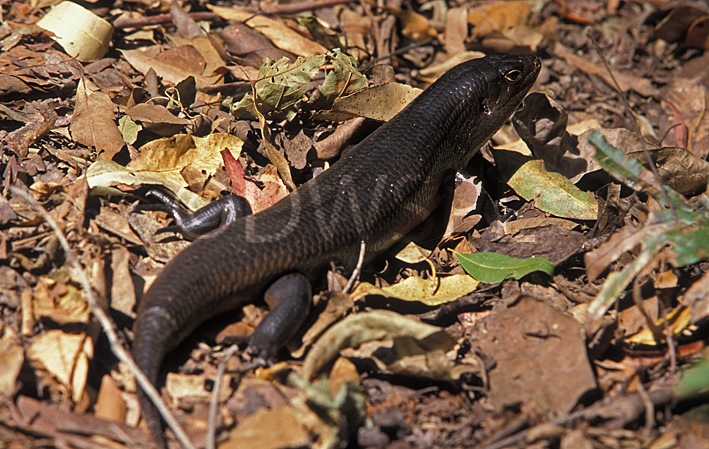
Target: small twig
{"points": [[290, 8], [358, 268], [106, 323], [659, 396], [649, 409], [636, 127], [671, 348], [214, 400], [160, 19]]}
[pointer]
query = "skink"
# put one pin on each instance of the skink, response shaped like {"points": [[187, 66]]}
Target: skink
{"points": [[376, 193]]}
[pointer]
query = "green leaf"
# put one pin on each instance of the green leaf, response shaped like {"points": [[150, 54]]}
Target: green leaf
{"points": [[279, 87], [344, 79], [493, 268], [693, 380], [552, 192]]}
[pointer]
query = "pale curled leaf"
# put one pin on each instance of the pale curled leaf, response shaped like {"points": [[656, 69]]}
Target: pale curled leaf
{"points": [[129, 129], [412, 253], [359, 328], [84, 35], [111, 174]]}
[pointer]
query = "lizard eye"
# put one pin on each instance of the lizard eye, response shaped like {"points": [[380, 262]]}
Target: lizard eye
{"points": [[512, 75]]}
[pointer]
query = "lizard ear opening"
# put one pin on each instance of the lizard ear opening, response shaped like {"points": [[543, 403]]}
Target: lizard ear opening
{"points": [[485, 106]]}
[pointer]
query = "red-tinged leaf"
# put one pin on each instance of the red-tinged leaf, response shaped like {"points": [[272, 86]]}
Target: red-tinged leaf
{"points": [[245, 187]]}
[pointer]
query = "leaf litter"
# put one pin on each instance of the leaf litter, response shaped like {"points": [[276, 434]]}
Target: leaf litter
{"points": [[607, 319]]}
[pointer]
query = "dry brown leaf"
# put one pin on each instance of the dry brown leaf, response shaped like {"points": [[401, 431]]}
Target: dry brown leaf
{"points": [[626, 81], [122, 288], [515, 226], [688, 101], [11, 360], [94, 122], [357, 29], [110, 404], [49, 420], [343, 372], [281, 36], [414, 25], [498, 17], [275, 428], [381, 102], [559, 368], [456, 30], [168, 72], [465, 202], [211, 57], [59, 302], [157, 119], [185, 58], [250, 47], [620, 242]]}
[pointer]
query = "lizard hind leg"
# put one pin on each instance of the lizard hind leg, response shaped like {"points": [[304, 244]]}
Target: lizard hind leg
{"points": [[203, 222], [289, 298]]}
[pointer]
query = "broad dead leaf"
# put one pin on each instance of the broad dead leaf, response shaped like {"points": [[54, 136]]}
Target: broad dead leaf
{"points": [[94, 122], [362, 327]]}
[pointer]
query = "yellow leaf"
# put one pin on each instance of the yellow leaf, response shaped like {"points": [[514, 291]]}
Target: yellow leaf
{"points": [[677, 321], [431, 293]]}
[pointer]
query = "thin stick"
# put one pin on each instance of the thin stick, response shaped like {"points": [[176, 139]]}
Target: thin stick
{"points": [[107, 324], [214, 400], [358, 268], [290, 8]]}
